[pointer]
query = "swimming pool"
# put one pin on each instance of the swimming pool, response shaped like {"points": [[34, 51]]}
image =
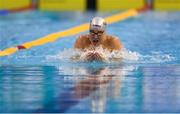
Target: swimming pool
{"points": [[43, 79]]}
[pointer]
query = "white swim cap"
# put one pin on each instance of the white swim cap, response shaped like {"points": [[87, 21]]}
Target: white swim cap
{"points": [[98, 23]]}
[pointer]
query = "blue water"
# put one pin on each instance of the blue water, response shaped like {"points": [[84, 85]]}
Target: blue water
{"points": [[44, 79]]}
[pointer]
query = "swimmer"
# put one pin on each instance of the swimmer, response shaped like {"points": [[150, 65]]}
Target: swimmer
{"points": [[97, 37]]}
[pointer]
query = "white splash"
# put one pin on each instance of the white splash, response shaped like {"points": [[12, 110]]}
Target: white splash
{"points": [[124, 55], [156, 57], [68, 54]]}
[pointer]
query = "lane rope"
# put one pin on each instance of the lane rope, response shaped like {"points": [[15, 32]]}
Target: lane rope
{"points": [[69, 32]]}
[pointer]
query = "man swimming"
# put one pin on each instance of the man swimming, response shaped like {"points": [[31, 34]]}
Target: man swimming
{"points": [[97, 37]]}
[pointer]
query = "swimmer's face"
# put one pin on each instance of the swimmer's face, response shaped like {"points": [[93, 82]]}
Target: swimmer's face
{"points": [[96, 35]]}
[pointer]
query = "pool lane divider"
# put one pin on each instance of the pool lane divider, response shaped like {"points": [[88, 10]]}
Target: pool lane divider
{"points": [[69, 32]]}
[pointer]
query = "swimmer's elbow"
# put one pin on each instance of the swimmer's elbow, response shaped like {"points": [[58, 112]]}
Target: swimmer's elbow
{"points": [[117, 44], [77, 44], [78, 47]]}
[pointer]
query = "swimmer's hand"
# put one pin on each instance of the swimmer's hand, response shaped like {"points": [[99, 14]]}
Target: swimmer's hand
{"points": [[89, 56], [94, 56]]}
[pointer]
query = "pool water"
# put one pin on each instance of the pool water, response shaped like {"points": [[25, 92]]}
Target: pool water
{"points": [[44, 79]]}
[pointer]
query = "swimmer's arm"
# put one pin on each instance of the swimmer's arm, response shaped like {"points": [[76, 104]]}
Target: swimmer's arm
{"points": [[116, 44], [79, 44]]}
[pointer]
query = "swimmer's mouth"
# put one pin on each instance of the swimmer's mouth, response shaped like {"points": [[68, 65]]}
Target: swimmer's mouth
{"points": [[95, 41]]}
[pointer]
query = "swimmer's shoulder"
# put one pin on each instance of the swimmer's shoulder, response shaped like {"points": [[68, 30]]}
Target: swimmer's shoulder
{"points": [[113, 42], [111, 37], [82, 41]]}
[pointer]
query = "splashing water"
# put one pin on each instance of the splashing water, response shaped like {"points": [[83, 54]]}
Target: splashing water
{"points": [[123, 55], [108, 56], [156, 57]]}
